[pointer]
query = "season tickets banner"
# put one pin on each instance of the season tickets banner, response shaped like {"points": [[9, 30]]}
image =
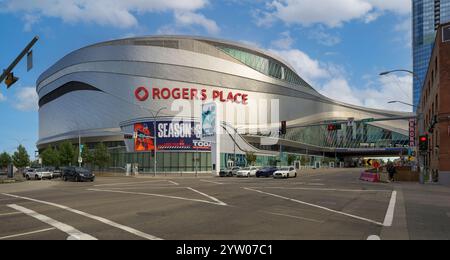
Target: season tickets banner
{"points": [[171, 136]]}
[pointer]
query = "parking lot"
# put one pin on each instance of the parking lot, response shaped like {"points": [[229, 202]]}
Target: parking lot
{"points": [[320, 205]]}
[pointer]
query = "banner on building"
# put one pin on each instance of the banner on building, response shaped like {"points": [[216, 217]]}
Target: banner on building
{"points": [[170, 136]]}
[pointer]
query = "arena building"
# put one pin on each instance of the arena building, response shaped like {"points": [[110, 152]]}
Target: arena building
{"points": [[119, 92]]}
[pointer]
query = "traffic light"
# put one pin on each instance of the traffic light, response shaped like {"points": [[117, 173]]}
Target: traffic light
{"points": [[128, 136], [423, 143], [283, 127], [334, 127], [10, 79]]}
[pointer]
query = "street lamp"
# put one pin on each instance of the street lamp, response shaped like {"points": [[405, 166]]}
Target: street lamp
{"points": [[154, 136], [400, 70], [396, 101], [419, 117]]}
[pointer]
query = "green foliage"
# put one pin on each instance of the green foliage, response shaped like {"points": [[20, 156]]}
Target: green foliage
{"points": [[291, 158], [5, 160], [250, 157], [50, 157], [101, 156], [87, 155], [66, 153], [21, 158], [305, 160]]}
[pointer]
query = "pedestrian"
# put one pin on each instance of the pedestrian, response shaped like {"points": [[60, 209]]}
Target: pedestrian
{"points": [[392, 171]]}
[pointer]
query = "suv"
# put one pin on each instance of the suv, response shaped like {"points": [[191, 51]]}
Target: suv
{"points": [[77, 174]]}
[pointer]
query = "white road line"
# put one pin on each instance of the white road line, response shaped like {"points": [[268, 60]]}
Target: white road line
{"points": [[28, 233], [173, 182], [319, 207], [71, 231], [157, 195], [10, 213], [321, 189], [315, 184], [391, 209], [128, 183], [297, 217], [215, 182], [373, 237], [100, 219], [208, 196]]}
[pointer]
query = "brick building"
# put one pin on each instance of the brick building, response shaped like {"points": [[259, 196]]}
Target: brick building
{"points": [[434, 107]]}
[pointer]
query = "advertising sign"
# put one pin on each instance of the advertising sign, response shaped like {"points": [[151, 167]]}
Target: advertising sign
{"points": [[209, 120], [170, 136], [412, 132]]}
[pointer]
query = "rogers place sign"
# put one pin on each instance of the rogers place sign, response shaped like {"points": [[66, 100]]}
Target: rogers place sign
{"points": [[142, 94]]}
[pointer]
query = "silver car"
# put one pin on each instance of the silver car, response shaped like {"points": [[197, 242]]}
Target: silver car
{"points": [[38, 174]]}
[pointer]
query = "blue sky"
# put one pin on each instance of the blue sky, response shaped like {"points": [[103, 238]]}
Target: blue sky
{"points": [[338, 46]]}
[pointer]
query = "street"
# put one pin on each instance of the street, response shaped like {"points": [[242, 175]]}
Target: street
{"points": [[324, 205]]}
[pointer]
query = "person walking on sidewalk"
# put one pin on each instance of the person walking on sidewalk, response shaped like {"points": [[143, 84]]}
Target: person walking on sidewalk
{"points": [[392, 171]]}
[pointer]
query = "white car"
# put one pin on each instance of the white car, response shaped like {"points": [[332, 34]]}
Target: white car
{"points": [[285, 172], [39, 174], [247, 172]]}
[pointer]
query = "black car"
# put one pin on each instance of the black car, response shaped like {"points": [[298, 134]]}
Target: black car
{"points": [[266, 172], [77, 174]]}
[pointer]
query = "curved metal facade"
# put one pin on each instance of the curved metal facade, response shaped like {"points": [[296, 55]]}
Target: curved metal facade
{"points": [[91, 91]]}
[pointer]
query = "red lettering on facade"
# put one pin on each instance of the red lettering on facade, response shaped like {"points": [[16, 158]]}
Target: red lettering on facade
{"points": [[155, 93], [165, 93], [185, 93], [141, 93]]}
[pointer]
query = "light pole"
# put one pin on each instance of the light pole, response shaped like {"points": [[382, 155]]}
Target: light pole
{"points": [[155, 137], [419, 115], [234, 148]]}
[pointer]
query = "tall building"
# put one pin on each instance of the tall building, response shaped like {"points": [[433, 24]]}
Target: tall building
{"points": [[427, 16]]}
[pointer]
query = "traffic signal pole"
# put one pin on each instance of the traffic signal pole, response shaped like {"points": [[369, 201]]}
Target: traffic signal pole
{"points": [[8, 72]]}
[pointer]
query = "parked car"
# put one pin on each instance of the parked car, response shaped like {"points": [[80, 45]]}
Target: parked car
{"points": [[57, 173], [38, 174], [247, 172], [285, 172], [229, 172], [266, 172], [77, 174]]}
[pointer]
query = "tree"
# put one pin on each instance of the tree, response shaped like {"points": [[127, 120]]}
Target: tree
{"points": [[305, 160], [250, 157], [50, 157], [66, 153], [5, 160], [101, 155], [21, 158], [291, 158], [87, 155]]}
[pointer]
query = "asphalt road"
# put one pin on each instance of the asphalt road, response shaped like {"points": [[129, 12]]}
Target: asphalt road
{"points": [[319, 205]]}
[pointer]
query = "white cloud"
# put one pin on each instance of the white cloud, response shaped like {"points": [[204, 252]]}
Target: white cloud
{"points": [[26, 99], [308, 68], [323, 37], [187, 19], [285, 42], [117, 13], [2, 97], [331, 80], [332, 13]]}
